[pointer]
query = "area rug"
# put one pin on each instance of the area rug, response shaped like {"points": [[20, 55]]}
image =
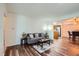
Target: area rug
{"points": [[41, 50]]}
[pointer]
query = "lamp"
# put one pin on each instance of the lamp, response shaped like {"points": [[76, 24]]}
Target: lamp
{"points": [[45, 27], [49, 27]]}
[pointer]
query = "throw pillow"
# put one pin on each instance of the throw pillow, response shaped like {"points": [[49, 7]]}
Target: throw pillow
{"points": [[31, 36]]}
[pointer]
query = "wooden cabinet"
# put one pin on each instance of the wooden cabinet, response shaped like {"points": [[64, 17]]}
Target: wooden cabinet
{"points": [[56, 35]]}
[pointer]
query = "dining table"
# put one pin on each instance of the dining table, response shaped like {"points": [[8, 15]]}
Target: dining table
{"points": [[74, 35]]}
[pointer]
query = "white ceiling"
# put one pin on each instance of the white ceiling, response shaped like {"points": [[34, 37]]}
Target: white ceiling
{"points": [[43, 9]]}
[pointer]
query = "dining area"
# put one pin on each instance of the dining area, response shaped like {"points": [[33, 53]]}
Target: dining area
{"points": [[73, 35], [70, 29]]}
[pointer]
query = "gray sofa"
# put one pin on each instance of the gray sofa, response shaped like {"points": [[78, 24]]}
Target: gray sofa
{"points": [[33, 38]]}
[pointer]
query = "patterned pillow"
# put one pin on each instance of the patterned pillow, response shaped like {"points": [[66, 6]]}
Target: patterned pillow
{"points": [[31, 36], [36, 35]]}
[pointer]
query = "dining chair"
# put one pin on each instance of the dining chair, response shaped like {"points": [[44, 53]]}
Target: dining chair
{"points": [[70, 34]]}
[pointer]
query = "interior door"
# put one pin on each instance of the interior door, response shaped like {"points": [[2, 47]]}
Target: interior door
{"points": [[9, 31], [57, 31]]}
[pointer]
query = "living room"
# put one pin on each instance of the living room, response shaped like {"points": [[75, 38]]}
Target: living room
{"points": [[36, 18]]}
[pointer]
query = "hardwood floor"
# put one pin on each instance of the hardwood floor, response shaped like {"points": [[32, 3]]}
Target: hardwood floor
{"points": [[24, 50], [60, 47]]}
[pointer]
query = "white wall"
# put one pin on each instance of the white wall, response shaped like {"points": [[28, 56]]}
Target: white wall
{"points": [[15, 25], [23, 24], [39, 23], [2, 10], [10, 30]]}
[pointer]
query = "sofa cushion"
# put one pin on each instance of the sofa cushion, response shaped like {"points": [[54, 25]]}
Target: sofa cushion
{"points": [[36, 35], [42, 35], [31, 36], [39, 38]]}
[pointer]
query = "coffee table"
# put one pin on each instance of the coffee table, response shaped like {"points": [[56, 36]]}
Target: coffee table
{"points": [[42, 41]]}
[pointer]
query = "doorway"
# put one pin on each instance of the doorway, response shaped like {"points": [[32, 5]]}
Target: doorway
{"points": [[57, 31]]}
